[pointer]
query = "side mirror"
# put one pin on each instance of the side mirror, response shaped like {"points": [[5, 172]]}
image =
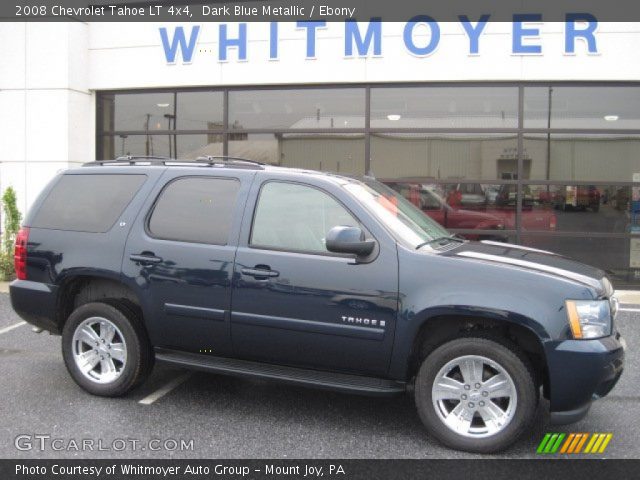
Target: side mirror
{"points": [[344, 239]]}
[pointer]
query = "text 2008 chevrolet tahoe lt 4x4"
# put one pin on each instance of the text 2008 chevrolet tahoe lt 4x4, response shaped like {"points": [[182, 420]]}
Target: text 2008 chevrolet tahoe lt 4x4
{"points": [[316, 279]]}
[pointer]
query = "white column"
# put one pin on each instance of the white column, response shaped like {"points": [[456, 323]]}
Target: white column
{"points": [[47, 113]]}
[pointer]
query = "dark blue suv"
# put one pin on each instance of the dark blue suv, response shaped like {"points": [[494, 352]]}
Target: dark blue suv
{"points": [[234, 267]]}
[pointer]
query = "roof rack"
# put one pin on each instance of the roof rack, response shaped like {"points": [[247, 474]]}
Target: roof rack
{"points": [[132, 160], [210, 161], [136, 157]]}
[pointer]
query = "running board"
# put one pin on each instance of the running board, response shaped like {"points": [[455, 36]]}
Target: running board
{"points": [[298, 376]]}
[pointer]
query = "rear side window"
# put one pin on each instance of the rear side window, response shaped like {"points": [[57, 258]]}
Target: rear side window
{"points": [[195, 209], [87, 203]]}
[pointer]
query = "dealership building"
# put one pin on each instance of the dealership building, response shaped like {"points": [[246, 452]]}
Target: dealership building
{"points": [[522, 131]]}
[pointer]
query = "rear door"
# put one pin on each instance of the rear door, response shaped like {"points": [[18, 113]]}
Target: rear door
{"points": [[179, 257]]}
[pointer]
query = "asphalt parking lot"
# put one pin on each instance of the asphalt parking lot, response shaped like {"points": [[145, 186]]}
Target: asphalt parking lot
{"points": [[235, 418]]}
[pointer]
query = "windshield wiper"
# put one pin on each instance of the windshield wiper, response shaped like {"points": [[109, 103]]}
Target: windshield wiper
{"points": [[455, 238]]}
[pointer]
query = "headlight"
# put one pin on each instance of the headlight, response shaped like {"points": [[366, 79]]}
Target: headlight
{"points": [[589, 318]]}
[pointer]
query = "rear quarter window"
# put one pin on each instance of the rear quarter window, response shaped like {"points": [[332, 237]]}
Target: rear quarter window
{"points": [[87, 203]]}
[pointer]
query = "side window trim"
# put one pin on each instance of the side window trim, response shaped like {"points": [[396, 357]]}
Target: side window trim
{"points": [[327, 253], [152, 207]]}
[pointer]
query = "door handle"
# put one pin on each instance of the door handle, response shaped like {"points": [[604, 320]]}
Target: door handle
{"points": [[145, 258], [260, 273]]}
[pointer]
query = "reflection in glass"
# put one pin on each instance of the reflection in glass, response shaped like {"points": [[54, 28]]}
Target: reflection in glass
{"points": [[444, 107], [137, 111], [445, 156], [343, 153], [584, 208], [302, 108], [614, 255], [444, 204], [474, 206], [581, 157], [582, 107], [199, 111], [174, 146]]}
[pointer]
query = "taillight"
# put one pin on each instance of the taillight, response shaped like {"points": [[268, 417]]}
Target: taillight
{"points": [[20, 253]]}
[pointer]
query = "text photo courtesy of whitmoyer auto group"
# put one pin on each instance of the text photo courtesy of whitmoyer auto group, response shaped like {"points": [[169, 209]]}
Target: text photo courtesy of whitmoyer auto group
{"points": [[268, 239]]}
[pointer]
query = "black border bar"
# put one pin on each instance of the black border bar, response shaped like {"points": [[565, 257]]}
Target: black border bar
{"points": [[335, 469], [312, 10]]}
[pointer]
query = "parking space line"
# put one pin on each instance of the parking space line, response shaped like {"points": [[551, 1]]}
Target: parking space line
{"points": [[162, 391], [11, 327], [629, 309]]}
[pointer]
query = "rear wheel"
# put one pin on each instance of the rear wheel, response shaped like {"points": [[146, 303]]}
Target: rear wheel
{"points": [[106, 349], [476, 394]]}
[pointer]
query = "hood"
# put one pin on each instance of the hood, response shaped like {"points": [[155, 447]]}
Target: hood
{"points": [[538, 260]]}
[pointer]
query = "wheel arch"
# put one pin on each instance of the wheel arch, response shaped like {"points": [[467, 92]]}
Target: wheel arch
{"points": [[76, 290], [439, 326]]}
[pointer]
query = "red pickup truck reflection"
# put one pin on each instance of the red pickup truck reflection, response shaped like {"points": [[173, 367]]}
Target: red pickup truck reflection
{"points": [[500, 215]]}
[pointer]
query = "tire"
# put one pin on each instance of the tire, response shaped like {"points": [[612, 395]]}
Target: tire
{"points": [[497, 357], [127, 353]]}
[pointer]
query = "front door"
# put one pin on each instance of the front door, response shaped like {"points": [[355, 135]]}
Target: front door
{"points": [[296, 303], [180, 258]]}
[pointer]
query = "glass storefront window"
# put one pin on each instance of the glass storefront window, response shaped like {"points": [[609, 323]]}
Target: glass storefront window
{"points": [[119, 145], [260, 147], [581, 157], [465, 206], [616, 256], [341, 153], [583, 107], [581, 207], [579, 174], [444, 107], [445, 156], [137, 111], [200, 111], [187, 147], [297, 109]]}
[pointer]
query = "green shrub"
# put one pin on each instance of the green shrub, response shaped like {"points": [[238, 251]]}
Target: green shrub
{"points": [[12, 218]]}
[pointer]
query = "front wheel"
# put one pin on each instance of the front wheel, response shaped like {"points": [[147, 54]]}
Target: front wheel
{"points": [[106, 349], [476, 394]]}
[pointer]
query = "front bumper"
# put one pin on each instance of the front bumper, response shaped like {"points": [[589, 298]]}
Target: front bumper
{"points": [[35, 302], [581, 371]]}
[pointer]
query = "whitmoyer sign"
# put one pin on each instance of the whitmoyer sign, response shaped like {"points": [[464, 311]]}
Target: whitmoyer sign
{"points": [[421, 36]]}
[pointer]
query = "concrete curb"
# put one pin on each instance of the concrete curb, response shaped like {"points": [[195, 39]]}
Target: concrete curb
{"points": [[628, 297], [4, 287]]}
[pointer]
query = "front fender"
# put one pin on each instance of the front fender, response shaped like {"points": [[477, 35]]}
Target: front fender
{"points": [[433, 285]]}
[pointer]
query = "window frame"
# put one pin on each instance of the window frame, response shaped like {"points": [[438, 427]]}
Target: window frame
{"points": [[327, 253], [152, 208]]}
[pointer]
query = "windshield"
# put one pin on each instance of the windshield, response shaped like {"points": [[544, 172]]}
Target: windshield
{"points": [[399, 215]]}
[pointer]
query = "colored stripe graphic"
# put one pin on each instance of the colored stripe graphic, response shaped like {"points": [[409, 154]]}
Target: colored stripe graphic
{"points": [[573, 443], [543, 443], [606, 441], [581, 443], [566, 444], [550, 443]]}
